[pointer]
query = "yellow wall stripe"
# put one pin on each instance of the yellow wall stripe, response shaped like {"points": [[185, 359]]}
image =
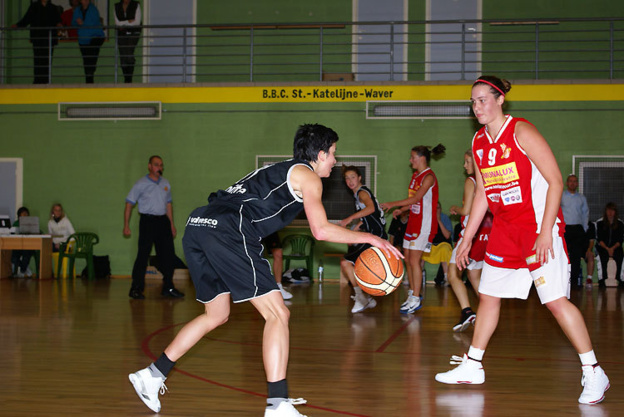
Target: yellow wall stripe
{"points": [[303, 94]]}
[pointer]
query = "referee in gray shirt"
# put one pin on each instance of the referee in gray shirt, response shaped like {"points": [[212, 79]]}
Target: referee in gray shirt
{"points": [[156, 227]]}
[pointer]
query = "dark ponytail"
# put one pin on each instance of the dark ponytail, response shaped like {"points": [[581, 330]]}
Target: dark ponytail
{"points": [[425, 151]]}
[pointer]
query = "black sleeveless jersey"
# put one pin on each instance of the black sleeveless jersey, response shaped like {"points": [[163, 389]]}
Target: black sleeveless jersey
{"points": [[375, 222], [265, 197]]}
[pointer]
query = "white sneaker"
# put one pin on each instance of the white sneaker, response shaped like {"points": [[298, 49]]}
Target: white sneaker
{"points": [[411, 305], [468, 372], [409, 294], [362, 302], [147, 388], [28, 273], [285, 294], [595, 383], [284, 408]]}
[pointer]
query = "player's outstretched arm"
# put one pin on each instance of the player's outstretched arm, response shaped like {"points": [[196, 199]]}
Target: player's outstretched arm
{"points": [[428, 182], [310, 186]]}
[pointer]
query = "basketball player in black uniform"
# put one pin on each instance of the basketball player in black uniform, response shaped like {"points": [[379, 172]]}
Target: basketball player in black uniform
{"points": [[223, 251], [370, 219]]}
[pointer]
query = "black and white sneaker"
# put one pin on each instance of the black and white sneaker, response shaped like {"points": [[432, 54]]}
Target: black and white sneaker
{"points": [[171, 293], [467, 318], [136, 294]]}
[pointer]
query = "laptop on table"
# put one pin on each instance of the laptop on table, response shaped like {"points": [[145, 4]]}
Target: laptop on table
{"points": [[29, 225]]}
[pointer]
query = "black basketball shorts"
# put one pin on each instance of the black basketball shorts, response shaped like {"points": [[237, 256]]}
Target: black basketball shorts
{"points": [[354, 251], [224, 255]]}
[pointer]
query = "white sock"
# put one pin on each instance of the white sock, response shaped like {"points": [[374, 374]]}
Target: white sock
{"points": [[357, 290], [410, 293], [588, 358], [476, 354]]}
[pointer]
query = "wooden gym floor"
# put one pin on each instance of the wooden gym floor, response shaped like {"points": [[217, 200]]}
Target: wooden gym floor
{"points": [[67, 348]]}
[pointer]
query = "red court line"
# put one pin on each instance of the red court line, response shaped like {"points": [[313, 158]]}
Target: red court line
{"points": [[394, 335]]}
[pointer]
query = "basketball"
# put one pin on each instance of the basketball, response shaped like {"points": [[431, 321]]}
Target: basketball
{"points": [[377, 274]]}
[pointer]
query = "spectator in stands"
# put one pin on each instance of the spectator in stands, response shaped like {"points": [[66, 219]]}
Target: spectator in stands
{"points": [[128, 22], [66, 18], [59, 226], [90, 36], [41, 16], [21, 258], [576, 215], [609, 238]]}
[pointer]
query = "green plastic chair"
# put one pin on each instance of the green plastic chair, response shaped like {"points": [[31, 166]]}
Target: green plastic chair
{"points": [[298, 248], [82, 248]]}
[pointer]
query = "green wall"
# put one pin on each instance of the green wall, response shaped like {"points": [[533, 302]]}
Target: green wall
{"points": [[89, 166]]}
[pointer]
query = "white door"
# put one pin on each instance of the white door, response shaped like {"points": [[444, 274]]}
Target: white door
{"points": [[379, 50], [453, 49], [11, 185], [169, 52]]}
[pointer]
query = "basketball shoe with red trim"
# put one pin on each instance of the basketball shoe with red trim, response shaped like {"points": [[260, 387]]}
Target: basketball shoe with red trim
{"points": [[595, 383]]}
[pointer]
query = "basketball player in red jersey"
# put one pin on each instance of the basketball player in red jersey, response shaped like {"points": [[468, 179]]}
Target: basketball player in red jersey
{"points": [[518, 178], [477, 252], [422, 225]]}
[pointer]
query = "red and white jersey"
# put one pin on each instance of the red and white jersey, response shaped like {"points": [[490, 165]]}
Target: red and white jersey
{"points": [[480, 240], [422, 218], [514, 187]]}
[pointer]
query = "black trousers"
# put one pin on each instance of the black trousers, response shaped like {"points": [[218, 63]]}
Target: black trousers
{"points": [[576, 242], [90, 54], [42, 57], [154, 231], [126, 45], [21, 259]]}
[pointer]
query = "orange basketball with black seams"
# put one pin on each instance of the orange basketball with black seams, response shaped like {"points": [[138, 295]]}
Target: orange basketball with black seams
{"points": [[378, 274]]}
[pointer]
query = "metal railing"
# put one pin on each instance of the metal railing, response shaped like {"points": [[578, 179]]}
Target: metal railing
{"points": [[452, 50]]}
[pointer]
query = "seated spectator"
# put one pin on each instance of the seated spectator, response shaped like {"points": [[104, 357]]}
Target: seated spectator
{"points": [[590, 257], [21, 258], [441, 247], [397, 229], [59, 226], [609, 238]]}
